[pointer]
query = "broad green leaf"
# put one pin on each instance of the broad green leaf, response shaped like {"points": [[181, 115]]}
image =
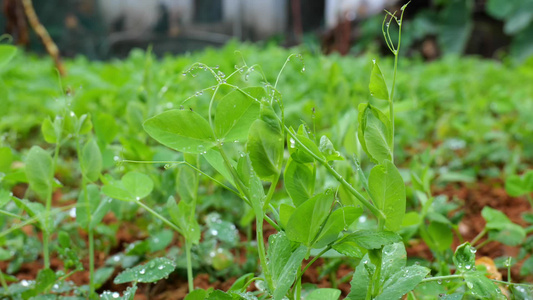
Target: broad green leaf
{"points": [[302, 147], [517, 186], [197, 294], [182, 214], [219, 295], [6, 159], [402, 282], [348, 248], [265, 147], [511, 234], [152, 271], [496, 220], [187, 184], [252, 182], [240, 284], [370, 239], [327, 148], [480, 287], [438, 236], [464, 258], [102, 275], [283, 263], [393, 258], [129, 294], [324, 294], [285, 213], [105, 128], [85, 125], [388, 193], [375, 133], [44, 281], [7, 52], [86, 205], [214, 158], [377, 86], [91, 161], [304, 224], [98, 214], [49, 133], [299, 180], [361, 280], [39, 171], [181, 130], [138, 184], [337, 221], [133, 186], [236, 112], [519, 292]]}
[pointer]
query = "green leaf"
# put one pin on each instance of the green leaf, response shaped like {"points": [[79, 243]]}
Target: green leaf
{"points": [[377, 86], [480, 287], [370, 239], [283, 263], [138, 184], [182, 214], [439, 236], [91, 161], [49, 133], [198, 294], [39, 171], [302, 153], [464, 258], [6, 159], [511, 234], [388, 193], [324, 294], [44, 281], [265, 147], [517, 186], [105, 128], [327, 148], [361, 279], [98, 214], [299, 180], [375, 133], [393, 258], [181, 130], [133, 186], [402, 282], [85, 208], [304, 224], [7, 52], [128, 294], [337, 221], [214, 158], [187, 184], [252, 182], [285, 212], [236, 112], [102, 275], [240, 284], [152, 271]]}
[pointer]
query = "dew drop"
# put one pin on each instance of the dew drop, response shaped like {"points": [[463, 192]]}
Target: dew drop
{"points": [[142, 271], [303, 69], [115, 295], [138, 198], [160, 267], [473, 250]]}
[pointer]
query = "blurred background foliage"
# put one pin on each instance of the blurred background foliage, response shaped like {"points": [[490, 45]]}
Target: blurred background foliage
{"points": [[102, 29]]}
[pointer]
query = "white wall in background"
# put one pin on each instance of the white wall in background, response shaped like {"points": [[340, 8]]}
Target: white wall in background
{"points": [[341, 10]]}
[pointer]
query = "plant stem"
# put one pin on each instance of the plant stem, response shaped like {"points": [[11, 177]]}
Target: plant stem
{"points": [[4, 283], [160, 217], [190, 277], [479, 236], [447, 277], [374, 210]]}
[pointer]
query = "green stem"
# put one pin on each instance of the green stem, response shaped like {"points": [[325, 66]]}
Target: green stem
{"points": [[374, 210], [190, 277], [298, 289], [91, 262], [441, 278], [4, 283], [160, 217], [271, 222], [10, 214], [479, 236]]}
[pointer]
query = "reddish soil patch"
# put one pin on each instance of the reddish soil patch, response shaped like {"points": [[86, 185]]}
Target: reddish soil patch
{"points": [[475, 197]]}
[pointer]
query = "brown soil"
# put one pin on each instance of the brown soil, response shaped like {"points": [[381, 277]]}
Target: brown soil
{"points": [[475, 197]]}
